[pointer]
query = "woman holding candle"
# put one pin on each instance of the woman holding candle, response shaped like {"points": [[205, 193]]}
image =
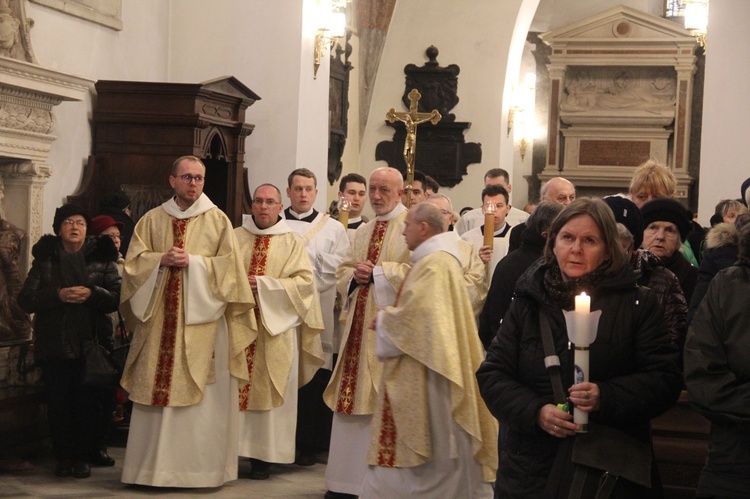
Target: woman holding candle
{"points": [[633, 371]]}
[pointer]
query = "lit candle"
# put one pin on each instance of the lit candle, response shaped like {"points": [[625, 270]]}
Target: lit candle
{"points": [[344, 207], [581, 356], [489, 224], [583, 303]]}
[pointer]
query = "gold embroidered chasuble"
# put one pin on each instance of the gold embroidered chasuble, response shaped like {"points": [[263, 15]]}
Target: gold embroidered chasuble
{"points": [[433, 325], [171, 361], [474, 274], [356, 376], [278, 255]]}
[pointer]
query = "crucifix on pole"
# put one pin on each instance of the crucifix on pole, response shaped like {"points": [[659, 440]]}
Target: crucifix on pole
{"points": [[411, 120]]}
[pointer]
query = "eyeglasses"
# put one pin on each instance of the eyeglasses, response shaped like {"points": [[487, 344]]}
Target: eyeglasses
{"points": [[187, 178], [80, 223], [114, 236], [261, 202]]}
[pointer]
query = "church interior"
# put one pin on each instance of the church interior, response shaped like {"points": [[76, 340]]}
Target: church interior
{"points": [[98, 96]]}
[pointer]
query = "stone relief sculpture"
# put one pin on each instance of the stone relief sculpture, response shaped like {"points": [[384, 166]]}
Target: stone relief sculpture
{"points": [[14, 322], [651, 90], [15, 41]]}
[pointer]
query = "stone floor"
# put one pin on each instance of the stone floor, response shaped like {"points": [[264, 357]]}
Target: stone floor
{"points": [[287, 481]]}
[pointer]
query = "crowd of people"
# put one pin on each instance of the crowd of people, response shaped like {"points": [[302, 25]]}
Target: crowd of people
{"points": [[425, 357]]}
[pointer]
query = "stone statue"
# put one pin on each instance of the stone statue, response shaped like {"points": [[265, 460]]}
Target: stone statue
{"points": [[14, 322]]}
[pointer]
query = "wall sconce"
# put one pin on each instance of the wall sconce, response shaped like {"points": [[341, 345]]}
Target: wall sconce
{"points": [[696, 20], [521, 114], [332, 25]]}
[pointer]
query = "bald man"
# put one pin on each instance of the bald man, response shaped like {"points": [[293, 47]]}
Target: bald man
{"points": [[556, 190]]}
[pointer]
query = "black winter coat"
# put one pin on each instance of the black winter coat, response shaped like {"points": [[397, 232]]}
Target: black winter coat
{"points": [[39, 295], [717, 376], [631, 361], [668, 292], [722, 247], [503, 285]]}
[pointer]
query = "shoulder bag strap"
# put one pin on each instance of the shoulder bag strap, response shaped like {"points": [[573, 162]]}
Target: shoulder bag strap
{"points": [[551, 360]]}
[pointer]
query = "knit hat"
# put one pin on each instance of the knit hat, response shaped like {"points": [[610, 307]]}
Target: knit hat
{"points": [[101, 223], [667, 210], [117, 200], [67, 211], [627, 213], [743, 191]]}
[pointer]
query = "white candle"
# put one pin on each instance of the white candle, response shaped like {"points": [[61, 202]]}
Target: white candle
{"points": [[583, 304], [581, 357]]}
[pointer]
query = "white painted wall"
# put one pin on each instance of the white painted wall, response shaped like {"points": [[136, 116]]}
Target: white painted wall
{"points": [[481, 51], [725, 106], [268, 46], [72, 45]]}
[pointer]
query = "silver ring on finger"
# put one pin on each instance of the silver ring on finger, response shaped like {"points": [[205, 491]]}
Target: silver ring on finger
{"points": [[555, 428]]}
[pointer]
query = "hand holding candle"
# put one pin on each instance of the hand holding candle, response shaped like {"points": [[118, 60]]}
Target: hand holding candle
{"points": [[489, 223], [344, 207], [582, 326]]}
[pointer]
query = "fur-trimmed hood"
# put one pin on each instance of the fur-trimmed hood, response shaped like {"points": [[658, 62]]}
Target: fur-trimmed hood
{"points": [[723, 234], [95, 248]]}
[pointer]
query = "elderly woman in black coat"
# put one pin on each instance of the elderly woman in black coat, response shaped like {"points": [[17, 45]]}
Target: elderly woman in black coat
{"points": [[633, 370], [72, 285]]}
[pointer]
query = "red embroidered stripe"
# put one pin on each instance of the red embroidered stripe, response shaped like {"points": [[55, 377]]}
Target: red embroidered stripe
{"points": [[165, 362], [351, 360], [258, 263], [387, 437]]}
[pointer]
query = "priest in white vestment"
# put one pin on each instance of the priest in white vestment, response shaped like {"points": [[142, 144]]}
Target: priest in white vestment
{"points": [[285, 350], [185, 294], [498, 196], [432, 435], [369, 277], [327, 244]]}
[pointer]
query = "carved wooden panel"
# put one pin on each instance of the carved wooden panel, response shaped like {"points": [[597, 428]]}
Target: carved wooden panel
{"points": [[140, 128]]}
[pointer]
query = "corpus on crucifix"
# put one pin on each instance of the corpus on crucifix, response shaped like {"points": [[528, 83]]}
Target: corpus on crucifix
{"points": [[411, 120]]}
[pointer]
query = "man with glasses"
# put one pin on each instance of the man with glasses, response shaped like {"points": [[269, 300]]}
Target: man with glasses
{"points": [[327, 244], [187, 298], [472, 267], [286, 350]]}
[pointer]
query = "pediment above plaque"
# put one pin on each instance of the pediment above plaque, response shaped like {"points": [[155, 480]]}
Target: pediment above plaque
{"points": [[621, 23]]}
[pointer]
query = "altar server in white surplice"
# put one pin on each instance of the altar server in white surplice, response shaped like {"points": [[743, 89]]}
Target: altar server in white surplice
{"points": [[498, 196], [369, 277], [432, 435], [185, 294], [285, 350], [327, 244]]}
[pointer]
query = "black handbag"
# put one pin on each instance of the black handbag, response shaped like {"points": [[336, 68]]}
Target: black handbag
{"points": [[99, 369], [604, 456], [120, 352]]}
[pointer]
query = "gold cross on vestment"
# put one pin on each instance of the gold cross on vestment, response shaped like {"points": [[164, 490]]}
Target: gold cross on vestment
{"points": [[411, 120]]}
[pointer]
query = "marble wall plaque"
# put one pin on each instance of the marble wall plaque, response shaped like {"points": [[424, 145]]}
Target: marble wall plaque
{"points": [[613, 152]]}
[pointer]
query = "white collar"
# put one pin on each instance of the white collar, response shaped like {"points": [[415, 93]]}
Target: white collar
{"points": [[445, 241], [300, 216], [399, 209], [201, 205], [280, 227]]}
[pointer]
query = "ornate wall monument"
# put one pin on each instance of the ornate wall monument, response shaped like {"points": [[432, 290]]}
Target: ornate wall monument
{"points": [[621, 85], [28, 93]]}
